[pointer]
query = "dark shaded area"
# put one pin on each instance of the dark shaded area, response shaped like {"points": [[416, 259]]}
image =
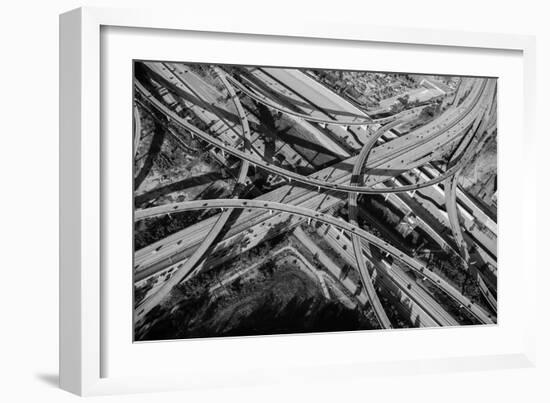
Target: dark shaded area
{"points": [[144, 75], [154, 229], [49, 379], [275, 298], [315, 154], [152, 154], [267, 316], [177, 186], [270, 240]]}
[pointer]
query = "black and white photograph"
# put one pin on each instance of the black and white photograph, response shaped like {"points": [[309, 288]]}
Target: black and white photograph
{"points": [[299, 201], [282, 200]]}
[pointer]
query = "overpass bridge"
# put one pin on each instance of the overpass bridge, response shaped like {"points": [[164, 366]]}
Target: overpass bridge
{"points": [[444, 133]]}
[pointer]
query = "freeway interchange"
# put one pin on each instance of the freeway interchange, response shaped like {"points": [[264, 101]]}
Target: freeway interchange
{"points": [[232, 115]]}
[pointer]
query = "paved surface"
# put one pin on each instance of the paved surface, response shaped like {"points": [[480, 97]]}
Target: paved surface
{"points": [[419, 148], [454, 128]]}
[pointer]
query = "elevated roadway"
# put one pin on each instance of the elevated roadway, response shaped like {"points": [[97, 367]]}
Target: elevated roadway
{"points": [[360, 120], [356, 241], [295, 176], [174, 246], [450, 192], [208, 104], [137, 130], [214, 232], [330, 188], [473, 308], [421, 308], [156, 299], [352, 200]]}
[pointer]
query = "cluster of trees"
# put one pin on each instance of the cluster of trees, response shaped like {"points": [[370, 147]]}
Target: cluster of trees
{"points": [[154, 229], [449, 265]]}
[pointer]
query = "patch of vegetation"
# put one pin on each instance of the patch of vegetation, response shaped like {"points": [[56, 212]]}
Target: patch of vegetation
{"points": [[279, 299], [154, 229]]}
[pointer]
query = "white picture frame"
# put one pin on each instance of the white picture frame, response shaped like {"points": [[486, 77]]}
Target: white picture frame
{"points": [[82, 298]]}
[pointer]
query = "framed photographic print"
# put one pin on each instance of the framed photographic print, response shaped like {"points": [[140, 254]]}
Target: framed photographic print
{"points": [[233, 201]]}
